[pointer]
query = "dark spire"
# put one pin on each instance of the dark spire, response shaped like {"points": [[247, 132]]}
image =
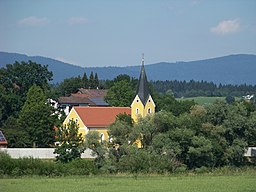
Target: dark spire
{"points": [[143, 90]]}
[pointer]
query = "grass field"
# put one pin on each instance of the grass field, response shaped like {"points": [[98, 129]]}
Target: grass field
{"points": [[199, 183], [204, 100]]}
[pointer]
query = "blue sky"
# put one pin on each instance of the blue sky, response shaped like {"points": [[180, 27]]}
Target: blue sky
{"points": [[117, 32]]}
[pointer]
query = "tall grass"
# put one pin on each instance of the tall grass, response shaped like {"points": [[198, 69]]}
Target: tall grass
{"points": [[191, 183]]}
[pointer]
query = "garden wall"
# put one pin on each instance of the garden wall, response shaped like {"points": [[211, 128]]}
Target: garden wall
{"points": [[40, 153]]}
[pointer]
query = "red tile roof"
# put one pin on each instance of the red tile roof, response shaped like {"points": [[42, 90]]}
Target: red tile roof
{"points": [[100, 116]]}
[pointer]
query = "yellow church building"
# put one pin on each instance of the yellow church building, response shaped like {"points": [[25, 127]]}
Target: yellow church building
{"points": [[143, 103], [100, 118]]}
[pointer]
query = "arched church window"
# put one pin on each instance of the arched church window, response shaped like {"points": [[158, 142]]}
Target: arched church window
{"points": [[149, 110], [137, 111]]}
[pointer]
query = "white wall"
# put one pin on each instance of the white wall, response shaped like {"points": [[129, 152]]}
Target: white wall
{"points": [[250, 152], [41, 153]]}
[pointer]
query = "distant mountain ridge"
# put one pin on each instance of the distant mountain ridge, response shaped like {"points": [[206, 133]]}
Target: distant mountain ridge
{"points": [[232, 69]]}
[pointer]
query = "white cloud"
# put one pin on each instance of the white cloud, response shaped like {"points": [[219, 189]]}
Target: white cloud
{"points": [[33, 21], [78, 20], [226, 27]]}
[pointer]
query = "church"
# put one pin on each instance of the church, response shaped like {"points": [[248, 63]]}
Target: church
{"points": [[91, 118]]}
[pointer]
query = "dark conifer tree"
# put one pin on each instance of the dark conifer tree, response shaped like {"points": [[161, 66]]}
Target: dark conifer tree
{"points": [[91, 81], [96, 81], [85, 81]]}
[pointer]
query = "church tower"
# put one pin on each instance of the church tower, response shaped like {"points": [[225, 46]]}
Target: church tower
{"points": [[143, 103]]}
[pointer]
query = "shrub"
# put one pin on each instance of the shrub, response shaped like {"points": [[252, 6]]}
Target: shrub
{"points": [[32, 166]]}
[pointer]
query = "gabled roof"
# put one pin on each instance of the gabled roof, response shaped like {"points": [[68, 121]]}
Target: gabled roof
{"points": [[100, 116], [143, 89], [74, 99], [91, 97]]}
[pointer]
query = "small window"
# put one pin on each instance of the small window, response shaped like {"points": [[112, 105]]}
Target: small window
{"points": [[101, 137], [137, 100], [137, 111], [149, 110], [69, 120], [149, 100], [76, 120]]}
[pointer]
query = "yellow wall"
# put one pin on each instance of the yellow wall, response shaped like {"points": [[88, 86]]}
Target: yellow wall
{"points": [[143, 111], [149, 105], [82, 128], [137, 109], [100, 130], [73, 115]]}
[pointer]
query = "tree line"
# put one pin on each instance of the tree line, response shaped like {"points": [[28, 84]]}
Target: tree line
{"points": [[202, 88]]}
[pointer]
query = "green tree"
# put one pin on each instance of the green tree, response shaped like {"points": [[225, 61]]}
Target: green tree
{"points": [[70, 85], [122, 77], [85, 81], [120, 131], [250, 133], [120, 94], [23, 75], [230, 99], [96, 81], [15, 135], [91, 81], [98, 148], [15, 81], [200, 152], [35, 118], [169, 103], [69, 143]]}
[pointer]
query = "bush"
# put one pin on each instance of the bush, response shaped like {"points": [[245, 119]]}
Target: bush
{"points": [[31, 166], [6, 164], [81, 167], [202, 169]]}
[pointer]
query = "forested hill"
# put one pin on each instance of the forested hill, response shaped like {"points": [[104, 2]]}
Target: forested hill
{"points": [[233, 69]]}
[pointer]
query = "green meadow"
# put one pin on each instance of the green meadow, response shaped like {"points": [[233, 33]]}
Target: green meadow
{"points": [[194, 183], [204, 100]]}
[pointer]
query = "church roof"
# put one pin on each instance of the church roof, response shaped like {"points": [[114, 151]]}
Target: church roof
{"points": [[100, 116], [143, 89]]}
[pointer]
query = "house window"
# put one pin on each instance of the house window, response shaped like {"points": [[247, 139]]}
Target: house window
{"points": [[149, 110], [69, 120], [149, 100], [76, 120], [137, 111], [137, 100]]}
